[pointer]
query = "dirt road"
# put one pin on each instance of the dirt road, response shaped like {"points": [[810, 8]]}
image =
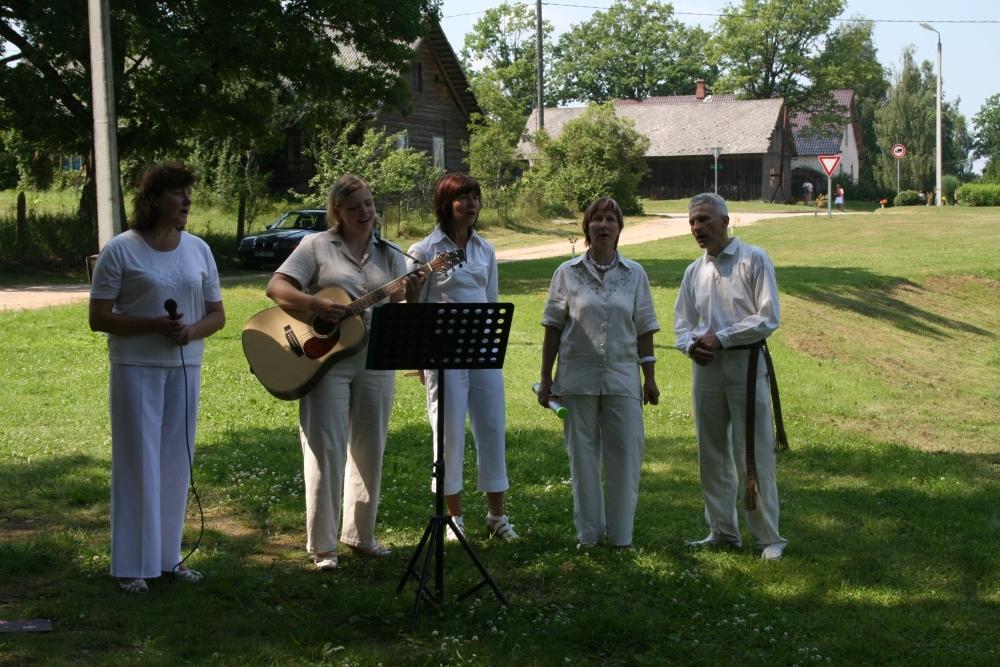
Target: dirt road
{"points": [[29, 297]]}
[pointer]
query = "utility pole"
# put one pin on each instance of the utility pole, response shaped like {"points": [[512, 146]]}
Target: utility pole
{"points": [[539, 68], [105, 165], [715, 152], [937, 185]]}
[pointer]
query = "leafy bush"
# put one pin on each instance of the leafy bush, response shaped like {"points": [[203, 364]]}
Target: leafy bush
{"points": [[403, 174], [949, 184], [53, 240], [597, 154], [978, 194], [820, 201], [907, 198]]}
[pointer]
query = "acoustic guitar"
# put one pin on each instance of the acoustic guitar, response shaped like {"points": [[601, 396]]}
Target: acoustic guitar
{"points": [[289, 350]]}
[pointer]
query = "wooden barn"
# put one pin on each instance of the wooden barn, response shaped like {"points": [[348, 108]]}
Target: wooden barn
{"points": [[436, 121], [752, 137]]}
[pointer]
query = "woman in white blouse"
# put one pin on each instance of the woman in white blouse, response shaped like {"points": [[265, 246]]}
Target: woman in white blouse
{"points": [[477, 393], [599, 322]]}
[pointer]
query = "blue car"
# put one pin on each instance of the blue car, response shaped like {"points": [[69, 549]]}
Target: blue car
{"points": [[273, 246]]}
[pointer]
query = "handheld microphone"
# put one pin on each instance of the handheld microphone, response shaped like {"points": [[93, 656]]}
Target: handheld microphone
{"points": [[171, 307], [556, 407]]}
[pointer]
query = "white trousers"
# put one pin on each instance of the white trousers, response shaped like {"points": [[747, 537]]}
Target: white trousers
{"points": [[719, 396], [343, 424], [480, 394], [604, 432], [150, 468]]}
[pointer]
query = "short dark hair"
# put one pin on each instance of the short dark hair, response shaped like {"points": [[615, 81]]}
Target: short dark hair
{"points": [[452, 186], [601, 205], [155, 181]]}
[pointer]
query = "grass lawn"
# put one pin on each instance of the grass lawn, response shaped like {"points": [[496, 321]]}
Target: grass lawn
{"points": [[889, 365]]}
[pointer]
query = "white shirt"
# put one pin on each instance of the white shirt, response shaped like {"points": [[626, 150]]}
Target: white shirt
{"points": [[735, 295], [474, 281], [324, 260], [600, 322], [139, 279]]}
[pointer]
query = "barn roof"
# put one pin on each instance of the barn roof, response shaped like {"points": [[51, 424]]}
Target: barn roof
{"points": [[685, 128]]}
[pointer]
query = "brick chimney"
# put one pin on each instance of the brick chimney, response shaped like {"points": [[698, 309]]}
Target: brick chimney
{"points": [[699, 89]]}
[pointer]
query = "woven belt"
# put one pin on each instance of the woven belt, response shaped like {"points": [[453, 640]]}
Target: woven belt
{"points": [[781, 440]]}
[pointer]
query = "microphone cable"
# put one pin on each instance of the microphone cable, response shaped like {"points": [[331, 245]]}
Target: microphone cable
{"points": [[389, 244], [171, 307]]}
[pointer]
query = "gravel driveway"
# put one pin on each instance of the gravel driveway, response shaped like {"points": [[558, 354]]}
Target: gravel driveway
{"points": [[42, 296]]}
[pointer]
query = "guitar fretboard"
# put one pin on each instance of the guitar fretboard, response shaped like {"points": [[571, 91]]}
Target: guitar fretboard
{"points": [[357, 307]]}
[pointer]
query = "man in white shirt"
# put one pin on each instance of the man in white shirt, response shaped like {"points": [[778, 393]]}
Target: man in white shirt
{"points": [[726, 308]]}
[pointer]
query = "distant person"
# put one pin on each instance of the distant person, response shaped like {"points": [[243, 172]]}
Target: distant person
{"points": [[344, 419], [155, 379], [476, 393], [807, 191], [838, 197], [726, 308], [599, 322]]}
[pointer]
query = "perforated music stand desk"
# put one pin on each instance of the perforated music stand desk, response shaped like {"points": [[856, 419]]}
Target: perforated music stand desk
{"points": [[439, 336]]}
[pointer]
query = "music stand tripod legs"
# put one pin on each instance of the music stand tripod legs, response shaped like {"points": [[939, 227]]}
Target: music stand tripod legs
{"points": [[433, 537], [437, 337]]}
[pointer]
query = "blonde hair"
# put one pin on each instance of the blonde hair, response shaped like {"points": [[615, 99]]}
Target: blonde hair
{"points": [[345, 186]]}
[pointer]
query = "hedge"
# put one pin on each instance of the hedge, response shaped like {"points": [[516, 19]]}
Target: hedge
{"points": [[907, 198], [978, 194]]}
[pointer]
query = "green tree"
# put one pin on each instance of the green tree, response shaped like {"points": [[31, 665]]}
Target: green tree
{"points": [[987, 138], [219, 68], [957, 144], [850, 62], [403, 174], [774, 48], [909, 116], [499, 57], [596, 154], [633, 50]]}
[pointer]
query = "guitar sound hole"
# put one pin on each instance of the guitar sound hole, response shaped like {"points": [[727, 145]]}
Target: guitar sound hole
{"points": [[323, 327]]}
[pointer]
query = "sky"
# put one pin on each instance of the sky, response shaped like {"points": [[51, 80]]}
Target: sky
{"points": [[970, 51]]}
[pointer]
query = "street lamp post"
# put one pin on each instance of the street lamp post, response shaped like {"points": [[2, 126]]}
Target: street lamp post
{"points": [[937, 184]]}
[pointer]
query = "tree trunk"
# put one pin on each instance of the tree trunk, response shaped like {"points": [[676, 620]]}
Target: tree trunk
{"points": [[241, 217], [87, 211], [21, 230]]}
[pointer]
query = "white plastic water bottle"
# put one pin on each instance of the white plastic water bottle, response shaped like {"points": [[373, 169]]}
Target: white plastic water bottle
{"points": [[556, 407]]}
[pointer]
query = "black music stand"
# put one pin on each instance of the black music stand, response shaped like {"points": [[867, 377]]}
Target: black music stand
{"points": [[439, 336]]}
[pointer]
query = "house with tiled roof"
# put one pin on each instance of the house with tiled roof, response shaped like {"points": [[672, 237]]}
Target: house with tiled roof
{"points": [[752, 138], [810, 143]]}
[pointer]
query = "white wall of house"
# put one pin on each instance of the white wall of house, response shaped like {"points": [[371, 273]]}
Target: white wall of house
{"points": [[849, 160]]}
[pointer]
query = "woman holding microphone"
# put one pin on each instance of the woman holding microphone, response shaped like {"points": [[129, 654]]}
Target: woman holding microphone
{"points": [[599, 322]]}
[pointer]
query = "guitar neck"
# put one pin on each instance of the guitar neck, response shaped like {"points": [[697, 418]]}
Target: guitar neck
{"points": [[357, 307]]}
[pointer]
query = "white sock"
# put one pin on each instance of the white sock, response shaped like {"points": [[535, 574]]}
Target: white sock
{"points": [[490, 516]]}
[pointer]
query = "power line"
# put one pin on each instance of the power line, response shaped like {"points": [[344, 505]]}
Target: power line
{"points": [[719, 14]]}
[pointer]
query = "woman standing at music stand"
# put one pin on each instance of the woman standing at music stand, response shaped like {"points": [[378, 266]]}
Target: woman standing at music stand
{"points": [[477, 393], [344, 419]]}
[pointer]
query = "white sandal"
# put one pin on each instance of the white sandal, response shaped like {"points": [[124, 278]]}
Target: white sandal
{"points": [[375, 550], [133, 585], [325, 562], [188, 576], [501, 528]]}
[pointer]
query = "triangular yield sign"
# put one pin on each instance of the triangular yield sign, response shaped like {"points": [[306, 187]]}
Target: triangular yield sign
{"points": [[829, 163]]}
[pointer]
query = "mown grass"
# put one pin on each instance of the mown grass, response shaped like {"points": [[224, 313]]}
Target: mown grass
{"points": [[889, 363]]}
